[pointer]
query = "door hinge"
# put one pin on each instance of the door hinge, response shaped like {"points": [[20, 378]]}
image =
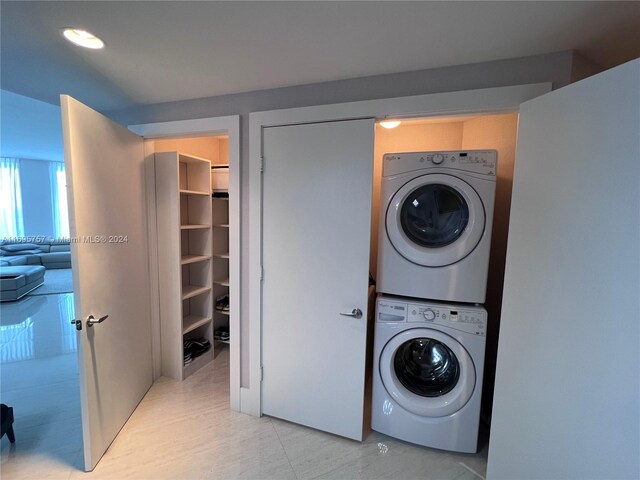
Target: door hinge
{"points": [[261, 163], [261, 273], [261, 373]]}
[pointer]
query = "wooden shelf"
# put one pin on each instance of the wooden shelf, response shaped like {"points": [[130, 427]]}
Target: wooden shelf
{"points": [[220, 247], [187, 259], [219, 165], [184, 158], [193, 192], [185, 239], [194, 227], [189, 291], [191, 322]]}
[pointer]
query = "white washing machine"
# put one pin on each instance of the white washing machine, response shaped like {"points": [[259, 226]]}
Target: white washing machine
{"points": [[428, 366], [435, 225]]}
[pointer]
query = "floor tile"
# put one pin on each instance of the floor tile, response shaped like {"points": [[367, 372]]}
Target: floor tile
{"points": [[180, 429], [36, 465], [383, 457], [312, 452], [39, 379]]}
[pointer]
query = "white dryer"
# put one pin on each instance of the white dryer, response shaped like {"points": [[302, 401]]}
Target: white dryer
{"points": [[428, 367], [435, 224]]}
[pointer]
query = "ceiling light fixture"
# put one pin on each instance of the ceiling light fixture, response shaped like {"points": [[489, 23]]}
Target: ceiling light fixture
{"points": [[389, 123], [83, 38]]}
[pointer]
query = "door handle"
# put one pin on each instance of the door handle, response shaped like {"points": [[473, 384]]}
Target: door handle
{"points": [[91, 321], [356, 313]]}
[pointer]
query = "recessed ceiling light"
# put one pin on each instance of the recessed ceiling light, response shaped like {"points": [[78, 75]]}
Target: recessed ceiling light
{"points": [[82, 38], [390, 123]]}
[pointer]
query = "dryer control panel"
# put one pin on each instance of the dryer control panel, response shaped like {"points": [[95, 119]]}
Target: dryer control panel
{"points": [[483, 162], [465, 318]]}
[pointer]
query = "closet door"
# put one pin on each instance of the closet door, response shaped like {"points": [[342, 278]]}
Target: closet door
{"points": [[316, 229], [567, 389], [105, 185]]}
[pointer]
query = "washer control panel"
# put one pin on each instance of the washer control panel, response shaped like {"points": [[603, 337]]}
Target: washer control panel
{"points": [[391, 311], [477, 161], [465, 318]]}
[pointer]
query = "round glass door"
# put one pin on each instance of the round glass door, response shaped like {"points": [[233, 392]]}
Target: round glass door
{"points": [[426, 367], [435, 220], [434, 215], [427, 372]]}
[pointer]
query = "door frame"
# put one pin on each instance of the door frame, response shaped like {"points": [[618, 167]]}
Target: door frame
{"points": [[481, 101], [200, 127]]}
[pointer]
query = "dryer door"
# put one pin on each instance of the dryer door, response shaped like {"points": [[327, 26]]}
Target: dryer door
{"points": [[427, 372], [435, 220]]}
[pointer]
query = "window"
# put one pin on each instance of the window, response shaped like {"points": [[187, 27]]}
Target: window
{"points": [[11, 220], [60, 211]]}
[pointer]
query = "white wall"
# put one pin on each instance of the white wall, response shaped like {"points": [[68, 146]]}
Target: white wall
{"points": [[29, 128], [204, 147], [567, 390], [555, 68]]}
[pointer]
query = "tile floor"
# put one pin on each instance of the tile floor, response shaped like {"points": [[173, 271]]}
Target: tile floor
{"points": [[181, 429]]}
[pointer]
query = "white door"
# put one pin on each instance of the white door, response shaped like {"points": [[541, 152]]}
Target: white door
{"points": [[317, 187], [105, 183], [567, 389]]}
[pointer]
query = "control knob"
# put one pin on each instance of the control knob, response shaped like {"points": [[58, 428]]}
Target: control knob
{"points": [[438, 159], [429, 314]]}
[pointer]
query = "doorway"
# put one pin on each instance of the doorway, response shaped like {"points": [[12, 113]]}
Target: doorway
{"points": [[460, 132], [473, 102], [204, 226], [219, 140], [110, 171]]}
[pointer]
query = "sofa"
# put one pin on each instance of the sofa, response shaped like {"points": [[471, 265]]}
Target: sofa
{"points": [[51, 254], [16, 282]]}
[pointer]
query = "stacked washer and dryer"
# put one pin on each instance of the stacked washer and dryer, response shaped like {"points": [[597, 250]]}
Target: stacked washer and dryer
{"points": [[430, 327]]}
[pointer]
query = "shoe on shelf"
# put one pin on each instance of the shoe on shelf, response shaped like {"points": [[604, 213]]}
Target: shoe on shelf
{"points": [[222, 303], [187, 359], [196, 347], [222, 334]]}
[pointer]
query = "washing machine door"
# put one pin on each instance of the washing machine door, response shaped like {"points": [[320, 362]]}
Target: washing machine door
{"points": [[427, 372], [435, 220]]}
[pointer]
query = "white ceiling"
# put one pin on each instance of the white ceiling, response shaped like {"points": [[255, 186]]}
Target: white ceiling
{"points": [[166, 51]]}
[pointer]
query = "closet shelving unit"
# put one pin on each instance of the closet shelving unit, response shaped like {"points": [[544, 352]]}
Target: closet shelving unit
{"points": [[220, 244], [184, 258]]}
